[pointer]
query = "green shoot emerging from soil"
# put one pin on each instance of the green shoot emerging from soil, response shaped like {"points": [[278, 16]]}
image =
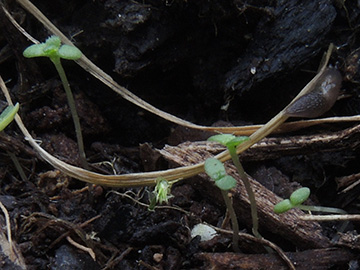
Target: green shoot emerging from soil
{"points": [[53, 49], [231, 142], [7, 116], [297, 198], [161, 193], [216, 170]]}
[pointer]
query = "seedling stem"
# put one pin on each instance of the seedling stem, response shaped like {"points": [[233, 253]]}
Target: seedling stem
{"points": [[53, 49], [71, 102], [250, 192]]}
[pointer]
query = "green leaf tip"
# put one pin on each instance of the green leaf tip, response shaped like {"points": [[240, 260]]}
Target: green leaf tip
{"points": [[52, 48], [214, 168], [283, 206], [296, 198], [299, 196], [228, 140], [35, 50], [7, 116], [237, 140], [161, 193], [226, 183], [222, 138], [53, 41], [69, 52], [162, 190]]}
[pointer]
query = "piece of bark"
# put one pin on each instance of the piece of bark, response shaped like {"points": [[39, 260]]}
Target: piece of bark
{"points": [[309, 259], [301, 234], [273, 148]]}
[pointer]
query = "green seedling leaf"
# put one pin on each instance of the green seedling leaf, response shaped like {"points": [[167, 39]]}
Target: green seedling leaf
{"points": [[52, 48], [299, 196], [161, 193], [8, 115], [222, 138], [228, 140], [283, 206], [226, 183], [35, 50], [236, 141], [69, 52], [53, 41], [214, 168]]}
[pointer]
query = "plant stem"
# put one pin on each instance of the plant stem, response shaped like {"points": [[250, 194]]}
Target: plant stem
{"points": [[321, 209], [234, 223], [327, 210], [17, 165], [250, 192], [73, 110]]}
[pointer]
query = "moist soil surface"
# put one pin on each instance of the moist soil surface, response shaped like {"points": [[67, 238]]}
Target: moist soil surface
{"points": [[228, 63]]}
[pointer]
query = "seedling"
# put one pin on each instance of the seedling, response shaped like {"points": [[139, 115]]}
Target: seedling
{"points": [[53, 49], [231, 142], [7, 116], [161, 193], [297, 198], [216, 170]]}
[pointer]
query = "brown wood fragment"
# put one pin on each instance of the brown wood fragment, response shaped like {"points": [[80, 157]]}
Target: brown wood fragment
{"points": [[303, 234], [272, 148], [310, 259]]}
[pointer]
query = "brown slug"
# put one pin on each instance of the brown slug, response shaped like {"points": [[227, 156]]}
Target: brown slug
{"points": [[319, 99]]}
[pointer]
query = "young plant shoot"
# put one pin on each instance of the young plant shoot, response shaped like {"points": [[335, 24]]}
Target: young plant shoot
{"points": [[231, 142], [297, 198], [7, 116], [161, 193], [53, 49], [216, 170]]}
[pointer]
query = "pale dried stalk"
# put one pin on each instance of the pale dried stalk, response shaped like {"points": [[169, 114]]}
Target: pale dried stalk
{"points": [[329, 217], [81, 247], [8, 228]]}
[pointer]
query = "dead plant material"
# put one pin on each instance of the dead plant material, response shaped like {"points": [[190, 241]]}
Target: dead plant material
{"points": [[347, 183], [8, 229], [44, 221], [304, 260], [113, 262], [330, 217], [81, 247], [273, 148], [350, 240], [7, 246], [245, 236]]}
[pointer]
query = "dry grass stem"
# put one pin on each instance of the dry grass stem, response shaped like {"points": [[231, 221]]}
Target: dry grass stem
{"points": [[330, 217], [8, 229], [81, 247]]}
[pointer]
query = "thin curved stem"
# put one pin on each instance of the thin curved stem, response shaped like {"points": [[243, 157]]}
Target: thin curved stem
{"points": [[234, 222], [75, 116], [250, 192], [321, 209]]}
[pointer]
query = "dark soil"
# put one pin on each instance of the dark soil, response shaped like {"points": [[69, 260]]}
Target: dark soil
{"points": [[239, 62]]}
